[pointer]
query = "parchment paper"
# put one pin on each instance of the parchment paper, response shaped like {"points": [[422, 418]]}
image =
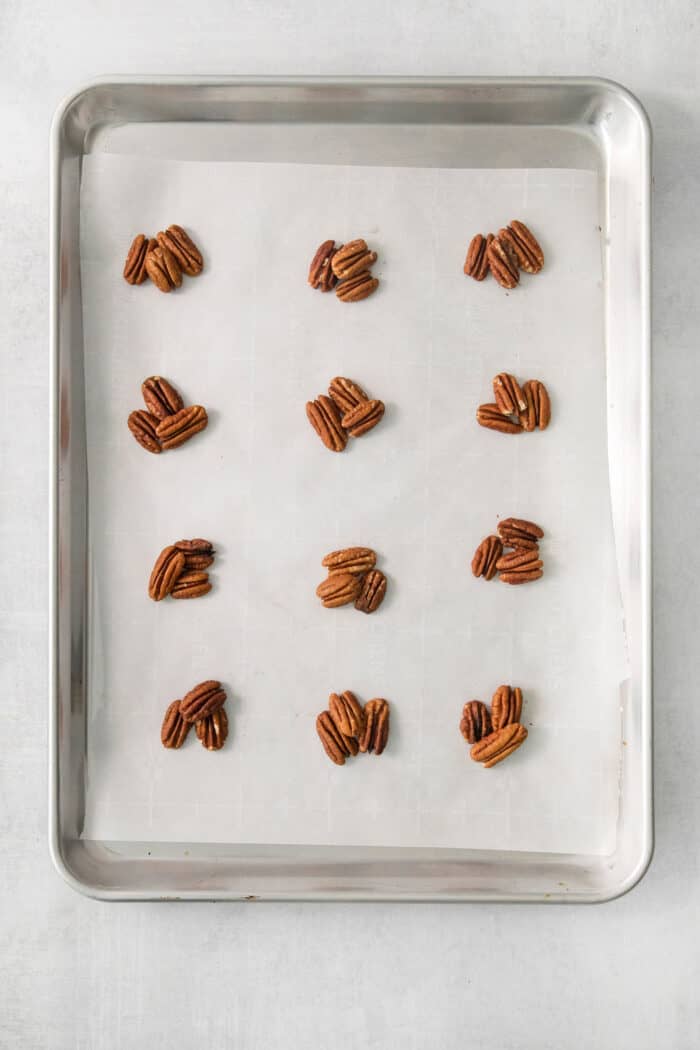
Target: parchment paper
{"points": [[252, 342]]}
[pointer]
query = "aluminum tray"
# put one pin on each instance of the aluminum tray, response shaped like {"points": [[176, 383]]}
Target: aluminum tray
{"points": [[459, 122]]}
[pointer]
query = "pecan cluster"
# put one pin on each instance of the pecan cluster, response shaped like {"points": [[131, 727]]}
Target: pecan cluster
{"points": [[180, 570], [514, 248], [203, 708], [345, 268], [352, 577], [166, 422], [514, 553], [497, 733], [164, 258], [347, 728], [347, 411], [515, 408]]}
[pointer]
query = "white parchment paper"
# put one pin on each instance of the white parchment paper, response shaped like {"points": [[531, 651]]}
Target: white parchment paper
{"points": [[251, 341]]}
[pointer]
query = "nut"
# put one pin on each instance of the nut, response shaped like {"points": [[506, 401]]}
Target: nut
{"points": [[213, 730], [363, 417], [335, 744], [475, 722], [186, 252], [144, 428], [325, 419], [346, 394], [356, 288], [520, 559], [174, 730], [163, 269], [346, 712], [203, 700], [320, 271], [135, 265], [476, 264], [498, 745], [376, 731], [352, 259], [506, 706], [191, 585], [524, 245], [486, 555], [372, 593], [503, 262], [356, 560], [516, 532], [175, 430], [339, 589], [169, 565], [161, 397], [491, 416], [538, 410], [524, 575], [199, 554], [509, 397]]}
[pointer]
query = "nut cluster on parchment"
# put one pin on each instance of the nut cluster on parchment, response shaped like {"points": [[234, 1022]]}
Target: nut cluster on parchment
{"points": [[522, 564], [203, 708], [180, 570], [164, 258], [352, 577], [514, 248], [345, 268], [497, 733], [346, 412], [516, 408], [167, 422], [347, 728]]}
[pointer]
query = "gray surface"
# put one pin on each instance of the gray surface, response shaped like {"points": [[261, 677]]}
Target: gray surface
{"points": [[81, 974]]}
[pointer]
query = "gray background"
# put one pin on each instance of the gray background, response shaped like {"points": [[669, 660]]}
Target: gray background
{"points": [[75, 973]]}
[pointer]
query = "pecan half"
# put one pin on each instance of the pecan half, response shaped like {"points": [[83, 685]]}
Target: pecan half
{"points": [[324, 417], [346, 712], [174, 729], [509, 397], [538, 410], [503, 263], [356, 288], [356, 560], [506, 706], [320, 271], [490, 416], [363, 417], [475, 722], [376, 731], [516, 532], [519, 559], [213, 730], [161, 397], [476, 264], [339, 589], [535, 572], [335, 744], [169, 565], [175, 430], [346, 394], [163, 269], [372, 593], [143, 426], [186, 252], [135, 265], [524, 245], [203, 700], [492, 749], [199, 554], [191, 585], [352, 259], [486, 556]]}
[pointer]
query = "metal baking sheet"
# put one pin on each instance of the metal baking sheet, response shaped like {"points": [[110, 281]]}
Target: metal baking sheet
{"points": [[448, 124]]}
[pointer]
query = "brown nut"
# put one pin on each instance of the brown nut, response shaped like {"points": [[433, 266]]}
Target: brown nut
{"points": [[143, 426], [372, 593], [476, 264], [522, 576], [517, 532], [490, 416], [163, 269], [486, 556], [475, 722], [203, 700], [492, 749], [199, 554], [135, 265], [509, 397], [161, 397], [169, 566], [376, 731], [183, 248], [175, 430], [520, 559], [324, 417], [356, 288], [339, 589], [352, 259], [524, 246], [363, 417], [336, 746], [191, 585], [213, 730], [538, 410], [320, 271], [346, 712], [346, 394], [503, 263], [506, 706], [174, 730], [356, 560]]}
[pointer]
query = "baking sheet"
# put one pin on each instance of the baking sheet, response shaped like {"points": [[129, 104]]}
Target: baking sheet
{"points": [[252, 342]]}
